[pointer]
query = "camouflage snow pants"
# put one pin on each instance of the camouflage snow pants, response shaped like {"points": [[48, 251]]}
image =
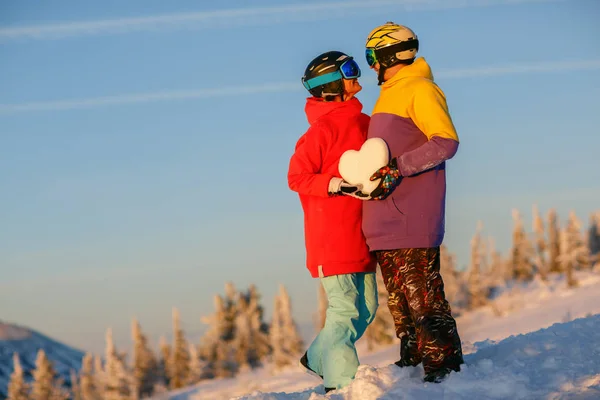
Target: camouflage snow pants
{"points": [[422, 316]]}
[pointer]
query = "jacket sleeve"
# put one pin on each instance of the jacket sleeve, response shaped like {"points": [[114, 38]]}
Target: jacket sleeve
{"points": [[430, 114], [304, 174]]}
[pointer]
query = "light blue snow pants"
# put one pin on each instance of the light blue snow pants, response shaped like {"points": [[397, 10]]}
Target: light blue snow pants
{"points": [[352, 306]]}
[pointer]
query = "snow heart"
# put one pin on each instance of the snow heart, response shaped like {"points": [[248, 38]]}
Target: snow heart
{"points": [[356, 167]]}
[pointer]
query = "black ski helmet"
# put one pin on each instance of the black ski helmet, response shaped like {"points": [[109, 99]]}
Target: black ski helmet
{"points": [[323, 64]]}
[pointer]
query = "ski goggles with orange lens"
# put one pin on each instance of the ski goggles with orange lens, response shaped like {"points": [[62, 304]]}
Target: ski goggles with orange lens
{"points": [[348, 70]]}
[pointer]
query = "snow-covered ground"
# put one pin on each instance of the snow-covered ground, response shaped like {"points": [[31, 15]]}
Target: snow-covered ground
{"points": [[536, 341]]}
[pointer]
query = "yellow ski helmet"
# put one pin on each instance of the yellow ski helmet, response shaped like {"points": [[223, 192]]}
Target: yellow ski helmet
{"points": [[391, 44]]}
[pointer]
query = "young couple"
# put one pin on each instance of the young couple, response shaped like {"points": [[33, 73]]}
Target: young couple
{"points": [[399, 226]]}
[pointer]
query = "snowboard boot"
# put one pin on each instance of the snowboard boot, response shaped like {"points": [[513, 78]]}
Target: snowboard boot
{"points": [[437, 376], [409, 354], [308, 370]]}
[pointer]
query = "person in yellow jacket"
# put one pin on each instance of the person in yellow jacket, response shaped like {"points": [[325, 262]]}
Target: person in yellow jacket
{"points": [[404, 223]]}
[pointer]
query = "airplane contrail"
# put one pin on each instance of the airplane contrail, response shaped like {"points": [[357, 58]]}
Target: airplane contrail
{"points": [[238, 17], [280, 87]]}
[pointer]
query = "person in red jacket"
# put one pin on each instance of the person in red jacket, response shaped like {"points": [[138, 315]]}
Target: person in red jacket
{"points": [[336, 250]]}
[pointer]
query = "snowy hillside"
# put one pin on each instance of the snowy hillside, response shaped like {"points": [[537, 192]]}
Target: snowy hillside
{"points": [[26, 343], [562, 361]]}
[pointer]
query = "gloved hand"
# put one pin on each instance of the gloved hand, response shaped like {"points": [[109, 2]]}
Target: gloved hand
{"points": [[338, 186], [390, 179]]}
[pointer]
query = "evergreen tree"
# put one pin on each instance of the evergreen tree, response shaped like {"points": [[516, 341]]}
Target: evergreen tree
{"points": [[594, 239], [294, 343], [118, 381], [381, 330], [449, 275], [237, 335], [245, 352], [251, 340], [144, 374], [179, 362], [286, 343], [574, 253], [554, 264], [521, 252], [17, 388], [163, 364], [99, 378], [75, 387], [87, 384], [540, 244], [278, 356], [476, 281], [196, 366], [46, 385], [497, 270], [214, 338]]}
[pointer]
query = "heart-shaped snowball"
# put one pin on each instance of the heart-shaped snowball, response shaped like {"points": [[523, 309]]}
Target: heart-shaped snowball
{"points": [[356, 167]]}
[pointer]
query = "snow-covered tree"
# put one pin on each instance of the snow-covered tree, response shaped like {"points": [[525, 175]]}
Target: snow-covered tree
{"points": [[99, 377], [449, 275], [476, 284], [237, 335], [497, 269], [521, 252], [251, 341], [144, 374], [87, 384], [294, 343], [196, 366], [163, 363], [554, 264], [539, 257], [574, 252], [17, 388], [284, 337], [46, 384], [381, 330], [278, 355], [594, 239], [179, 363], [214, 348], [75, 386], [118, 380]]}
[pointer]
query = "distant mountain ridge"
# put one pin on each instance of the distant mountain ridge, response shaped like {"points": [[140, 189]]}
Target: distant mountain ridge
{"points": [[26, 343]]}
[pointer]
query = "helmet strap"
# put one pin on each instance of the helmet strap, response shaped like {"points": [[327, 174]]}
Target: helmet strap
{"points": [[380, 75]]}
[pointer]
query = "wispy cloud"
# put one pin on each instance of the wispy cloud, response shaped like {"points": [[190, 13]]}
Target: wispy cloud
{"points": [[511, 69], [239, 17], [182, 95]]}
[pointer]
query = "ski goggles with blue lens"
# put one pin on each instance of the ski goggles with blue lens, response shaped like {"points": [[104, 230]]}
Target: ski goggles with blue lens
{"points": [[370, 55], [348, 70]]}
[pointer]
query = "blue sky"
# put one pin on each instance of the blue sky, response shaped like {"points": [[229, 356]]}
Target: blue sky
{"points": [[143, 160]]}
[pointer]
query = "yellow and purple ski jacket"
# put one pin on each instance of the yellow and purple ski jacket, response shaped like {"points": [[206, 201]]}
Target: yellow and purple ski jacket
{"points": [[412, 116]]}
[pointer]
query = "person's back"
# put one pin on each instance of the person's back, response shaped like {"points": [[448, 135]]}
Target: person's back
{"points": [[336, 251]]}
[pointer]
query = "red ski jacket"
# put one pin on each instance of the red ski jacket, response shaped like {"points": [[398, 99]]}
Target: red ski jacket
{"points": [[333, 234]]}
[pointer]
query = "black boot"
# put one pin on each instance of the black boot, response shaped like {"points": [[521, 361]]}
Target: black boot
{"points": [[304, 363], [409, 353], [437, 375]]}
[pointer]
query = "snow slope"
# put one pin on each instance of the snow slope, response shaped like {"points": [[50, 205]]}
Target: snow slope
{"points": [[26, 343], [525, 345]]}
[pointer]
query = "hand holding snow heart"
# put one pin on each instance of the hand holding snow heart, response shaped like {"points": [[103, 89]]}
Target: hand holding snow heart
{"points": [[357, 167]]}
